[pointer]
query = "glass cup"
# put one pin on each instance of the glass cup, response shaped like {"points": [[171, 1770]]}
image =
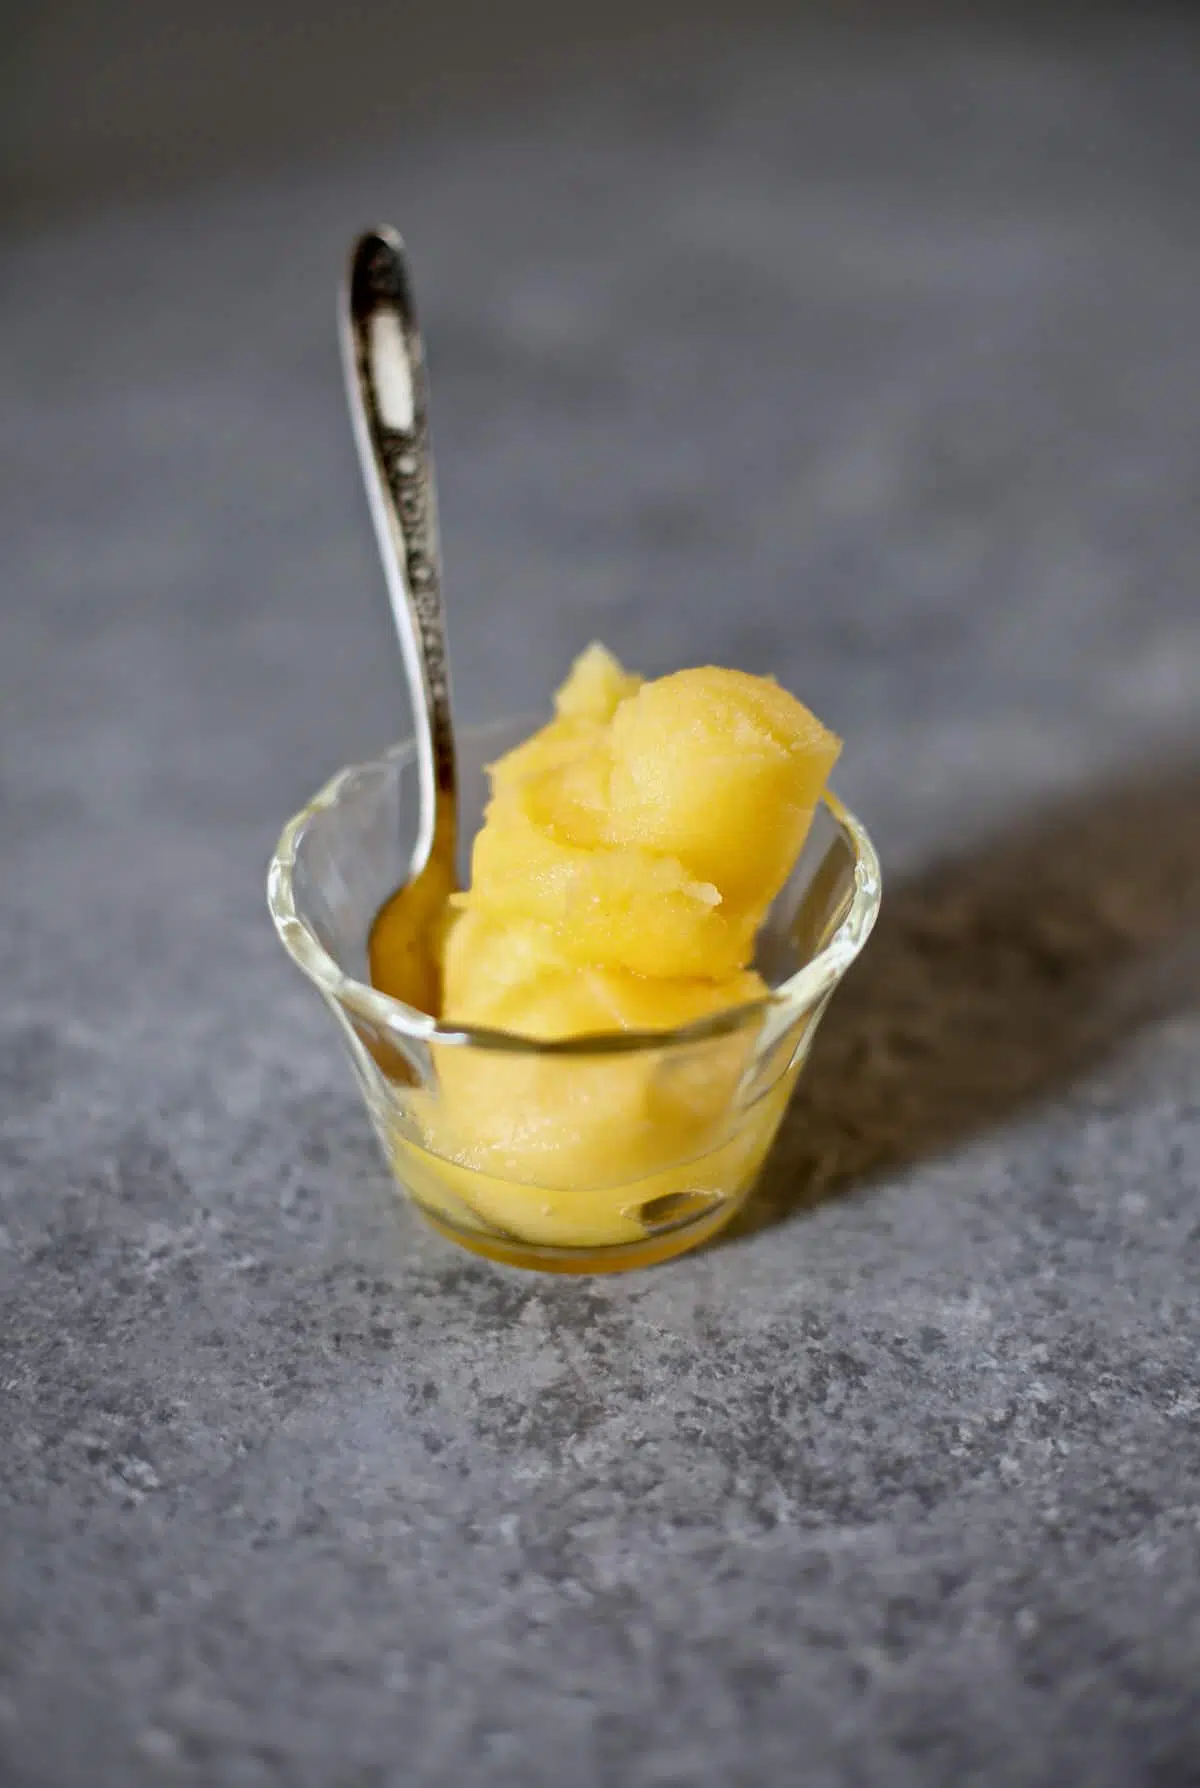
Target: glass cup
{"points": [[590, 1154]]}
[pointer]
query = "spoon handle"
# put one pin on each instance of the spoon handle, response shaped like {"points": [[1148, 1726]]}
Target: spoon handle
{"points": [[388, 397]]}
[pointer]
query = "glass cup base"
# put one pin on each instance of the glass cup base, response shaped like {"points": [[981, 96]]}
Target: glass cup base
{"points": [[621, 1257]]}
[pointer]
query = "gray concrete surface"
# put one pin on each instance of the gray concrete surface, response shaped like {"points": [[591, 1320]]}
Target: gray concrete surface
{"points": [[866, 357]]}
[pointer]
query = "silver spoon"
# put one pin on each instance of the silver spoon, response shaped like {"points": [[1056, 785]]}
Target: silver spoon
{"points": [[388, 396]]}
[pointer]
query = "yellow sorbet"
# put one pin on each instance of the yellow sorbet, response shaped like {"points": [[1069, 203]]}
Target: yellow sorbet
{"points": [[628, 856]]}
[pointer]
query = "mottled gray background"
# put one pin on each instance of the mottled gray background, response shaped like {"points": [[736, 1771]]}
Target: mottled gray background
{"points": [[859, 347]]}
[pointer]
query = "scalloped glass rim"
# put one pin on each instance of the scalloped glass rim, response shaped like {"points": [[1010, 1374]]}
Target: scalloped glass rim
{"points": [[807, 987]]}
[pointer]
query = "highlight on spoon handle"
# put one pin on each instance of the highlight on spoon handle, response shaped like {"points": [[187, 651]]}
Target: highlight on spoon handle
{"points": [[387, 392]]}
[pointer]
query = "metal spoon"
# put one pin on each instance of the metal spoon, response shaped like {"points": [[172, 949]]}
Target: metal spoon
{"points": [[388, 397]]}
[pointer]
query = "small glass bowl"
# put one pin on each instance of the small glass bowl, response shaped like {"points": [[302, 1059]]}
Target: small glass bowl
{"points": [[588, 1155]]}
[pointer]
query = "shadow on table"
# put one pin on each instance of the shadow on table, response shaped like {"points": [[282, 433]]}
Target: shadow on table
{"points": [[994, 978]]}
